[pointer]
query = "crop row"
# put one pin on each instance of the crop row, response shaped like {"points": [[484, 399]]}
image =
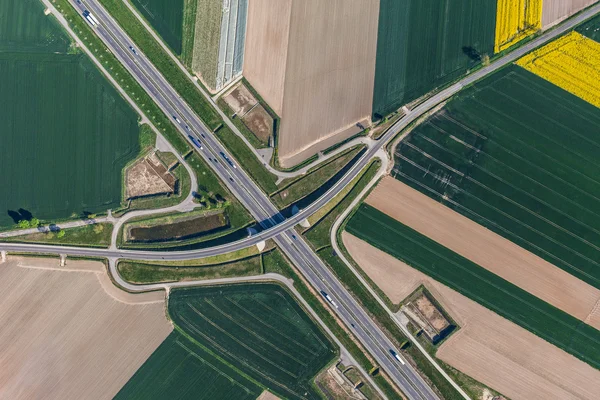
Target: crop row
{"points": [[478, 284], [258, 328], [533, 182], [572, 63], [515, 20], [179, 368]]}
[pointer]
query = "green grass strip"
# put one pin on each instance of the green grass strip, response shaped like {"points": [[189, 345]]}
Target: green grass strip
{"points": [[163, 62], [478, 284]]}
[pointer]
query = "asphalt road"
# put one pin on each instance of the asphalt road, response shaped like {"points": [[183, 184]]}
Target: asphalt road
{"points": [[244, 188], [257, 203]]}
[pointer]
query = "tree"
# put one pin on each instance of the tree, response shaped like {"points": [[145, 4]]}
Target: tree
{"points": [[23, 224], [60, 234], [34, 222]]}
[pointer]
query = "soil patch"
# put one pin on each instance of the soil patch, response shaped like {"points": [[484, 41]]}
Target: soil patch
{"points": [[185, 228], [148, 177], [259, 122], [487, 249], [240, 100], [488, 348]]}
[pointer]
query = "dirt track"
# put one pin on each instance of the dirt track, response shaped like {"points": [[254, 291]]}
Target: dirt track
{"points": [[64, 337], [487, 249], [555, 11], [488, 347]]}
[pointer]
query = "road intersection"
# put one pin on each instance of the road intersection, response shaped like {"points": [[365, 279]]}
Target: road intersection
{"points": [[259, 205]]}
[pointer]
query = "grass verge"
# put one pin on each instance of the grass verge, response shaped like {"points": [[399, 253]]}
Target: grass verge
{"points": [[96, 235]]}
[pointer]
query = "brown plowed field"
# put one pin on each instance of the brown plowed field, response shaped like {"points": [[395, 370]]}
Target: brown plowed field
{"points": [[486, 248], [555, 11], [64, 337], [313, 61], [487, 347]]}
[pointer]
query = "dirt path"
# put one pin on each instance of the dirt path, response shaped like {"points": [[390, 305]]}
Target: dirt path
{"points": [[487, 249], [488, 348]]}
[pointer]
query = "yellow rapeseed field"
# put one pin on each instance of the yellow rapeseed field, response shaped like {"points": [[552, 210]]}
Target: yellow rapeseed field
{"points": [[571, 62], [515, 20]]}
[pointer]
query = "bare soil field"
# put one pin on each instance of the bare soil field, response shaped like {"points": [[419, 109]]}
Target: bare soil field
{"points": [[313, 61], [265, 56], [554, 11], [487, 249], [148, 177], [63, 334], [259, 122], [239, 99], [267, 396], [487, 347]]}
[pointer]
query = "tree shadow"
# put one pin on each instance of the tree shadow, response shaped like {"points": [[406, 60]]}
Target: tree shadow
{"points": [[472, 53], [20, 215]]}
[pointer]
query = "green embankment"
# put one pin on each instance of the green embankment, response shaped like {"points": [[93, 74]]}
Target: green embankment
{"points": [[519, 156], [424, 44], [245, 262], [478, 284], [97, 235], [59, 158]]}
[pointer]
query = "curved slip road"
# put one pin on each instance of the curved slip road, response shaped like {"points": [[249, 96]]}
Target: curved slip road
{"points": [[244, 188]]}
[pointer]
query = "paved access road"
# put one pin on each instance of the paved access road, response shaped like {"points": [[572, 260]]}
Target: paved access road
{"points": [[251, 196], [244, 188]]}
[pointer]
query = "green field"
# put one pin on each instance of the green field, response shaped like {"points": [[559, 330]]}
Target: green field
{"points": [[25, 28], [423, 44], [259, 329], [478, 284], [166, 17], [590, 28], [521, 157], [58, 158], [179, 370]]}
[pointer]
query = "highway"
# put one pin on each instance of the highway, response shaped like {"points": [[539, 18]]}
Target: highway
{"points": [[259, 205], [371, 152]]}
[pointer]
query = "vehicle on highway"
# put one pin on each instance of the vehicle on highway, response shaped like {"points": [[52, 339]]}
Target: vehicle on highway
{"points": [[396, 356], [187, 128], [202, 134], [196, 142], [133, 50], [176, 119], [90, 17], [228, 160], [329, 299]]}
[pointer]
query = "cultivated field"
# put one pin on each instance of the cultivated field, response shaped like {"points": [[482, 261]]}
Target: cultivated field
{"points": [[488, 348], [317, 76], [166, 17], [515, 20], [571, 62], [423, 44], [282, 348], [58, 158], [487, 249], [70, 333], [477, 283], [179, 369], [24, 28], [555, 11], [519, 156]]}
